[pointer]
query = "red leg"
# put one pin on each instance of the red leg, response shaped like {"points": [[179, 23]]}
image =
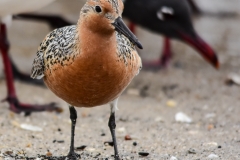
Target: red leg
{"points": [[166, 54], [15, 105], [164, 59]]}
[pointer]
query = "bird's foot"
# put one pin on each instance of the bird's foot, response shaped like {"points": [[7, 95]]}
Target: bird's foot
{"points": [[116, 157], [18, 107], [73, 156]]}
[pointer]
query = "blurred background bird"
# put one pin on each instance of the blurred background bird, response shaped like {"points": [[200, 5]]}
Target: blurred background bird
{"points": [[7, 9], [171, 18]]}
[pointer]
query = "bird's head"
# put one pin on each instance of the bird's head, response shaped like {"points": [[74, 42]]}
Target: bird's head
{"points": [[105, 17]]}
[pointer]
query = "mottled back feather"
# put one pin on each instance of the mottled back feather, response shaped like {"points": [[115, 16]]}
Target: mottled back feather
{"points": [[124, 49], [59, 46]]}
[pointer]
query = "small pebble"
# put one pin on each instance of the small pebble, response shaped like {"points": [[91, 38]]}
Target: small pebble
{"points": [[211, 144], [192, 151], [97, 155], [211, 156], [29, 145], [9, 152], [15, 123], [128, 138], [30, 127], [91, 149], [21, 152], [80, 147], [122, 129], [108, 143], [48, 154], [233, 79], [173, 158], [171, 103], [135, 143], [61, 141], [210, 127], [84, 114], [143, 153], [182, 117]]}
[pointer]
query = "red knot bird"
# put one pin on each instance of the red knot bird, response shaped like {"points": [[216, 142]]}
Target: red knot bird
{"points": [[91, 63]]}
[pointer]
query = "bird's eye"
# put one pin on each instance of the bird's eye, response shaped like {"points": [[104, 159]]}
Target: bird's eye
{"points": [[98, 9]]}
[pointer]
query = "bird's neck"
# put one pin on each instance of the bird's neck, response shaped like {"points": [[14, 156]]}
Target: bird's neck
{"points": [[96, 43]]}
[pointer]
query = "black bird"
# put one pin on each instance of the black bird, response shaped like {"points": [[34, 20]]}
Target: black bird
{"points": [[171, 18]]}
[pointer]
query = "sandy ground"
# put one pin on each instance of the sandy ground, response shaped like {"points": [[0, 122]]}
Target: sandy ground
{"points": [[147, 108]]}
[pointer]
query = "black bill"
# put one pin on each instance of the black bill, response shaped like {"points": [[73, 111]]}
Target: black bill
{"points": [[121, 27]]}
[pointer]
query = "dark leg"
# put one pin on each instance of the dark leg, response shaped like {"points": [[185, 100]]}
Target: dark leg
{"points": [[167, 53], [15, 105], [112, 126], [164, 59], [73, 116]]}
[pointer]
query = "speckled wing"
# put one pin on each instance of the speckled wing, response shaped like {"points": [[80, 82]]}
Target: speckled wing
{"points": [[57, 47], [125, 49]]}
